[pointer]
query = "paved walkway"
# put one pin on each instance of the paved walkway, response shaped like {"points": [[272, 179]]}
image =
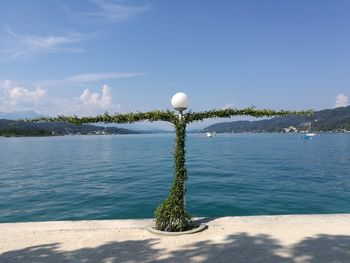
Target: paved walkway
{"points": [[265, 239]]}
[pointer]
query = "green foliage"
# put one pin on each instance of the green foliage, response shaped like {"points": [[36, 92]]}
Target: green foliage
{"points": [[131, 117], [171, 215], [229, 113], [168, 116]]}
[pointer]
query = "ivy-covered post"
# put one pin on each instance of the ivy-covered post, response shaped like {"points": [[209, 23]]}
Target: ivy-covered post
{"points": [[180, 154], [171, 215]]}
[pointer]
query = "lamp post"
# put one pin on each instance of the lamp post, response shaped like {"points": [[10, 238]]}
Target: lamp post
{"points": [[171, 215], [180, 102]]}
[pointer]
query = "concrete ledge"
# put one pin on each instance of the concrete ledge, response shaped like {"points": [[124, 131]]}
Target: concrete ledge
{"points": [[265, 239], [77, 225]]}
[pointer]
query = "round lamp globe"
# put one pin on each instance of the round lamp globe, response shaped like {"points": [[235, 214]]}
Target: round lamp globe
{"points": [[180, 101]]}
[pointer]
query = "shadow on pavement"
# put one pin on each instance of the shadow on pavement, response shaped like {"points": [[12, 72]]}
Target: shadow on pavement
{"points": [[235, 248]]}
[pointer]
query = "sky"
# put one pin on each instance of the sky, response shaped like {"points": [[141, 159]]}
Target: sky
{"points": [[88, 57]]}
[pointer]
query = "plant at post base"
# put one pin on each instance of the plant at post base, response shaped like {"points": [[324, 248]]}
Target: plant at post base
{"points": [[171, 215]]}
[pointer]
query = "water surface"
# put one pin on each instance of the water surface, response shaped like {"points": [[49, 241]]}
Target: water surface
{"points": [[127, 176]]}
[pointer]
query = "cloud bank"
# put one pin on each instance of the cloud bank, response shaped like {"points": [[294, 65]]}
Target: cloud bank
{"points": [[20, 95], [18, 98], [103, 101], [14, 97]]}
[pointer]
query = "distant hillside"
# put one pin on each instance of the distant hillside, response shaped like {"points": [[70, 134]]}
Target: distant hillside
{"points": [[337, 119], [20, 128]]}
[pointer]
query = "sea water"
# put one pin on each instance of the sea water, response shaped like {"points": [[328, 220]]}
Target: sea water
{"points": [[128, 176]]}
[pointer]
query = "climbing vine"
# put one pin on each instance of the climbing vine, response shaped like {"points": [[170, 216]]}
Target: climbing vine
{"points": [[171, 215], [131, 117], [229, 113]]}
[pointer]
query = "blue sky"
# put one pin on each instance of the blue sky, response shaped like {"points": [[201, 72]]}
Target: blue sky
{"points": [[86, 57]]}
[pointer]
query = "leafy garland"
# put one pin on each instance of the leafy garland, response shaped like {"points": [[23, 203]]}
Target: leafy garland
{"points": [[229, 113], [115, 118], [168, 116], [171, 215]]}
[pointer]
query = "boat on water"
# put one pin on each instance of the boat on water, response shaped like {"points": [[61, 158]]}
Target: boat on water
{"points": [[311, 134], [211, 134], [308, 134]]}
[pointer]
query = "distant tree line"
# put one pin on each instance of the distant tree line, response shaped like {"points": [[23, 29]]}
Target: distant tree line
{"points": [[10, 128]]}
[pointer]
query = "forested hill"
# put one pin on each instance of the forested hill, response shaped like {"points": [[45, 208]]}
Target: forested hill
{"points": [[337, 120], [21, 128]]}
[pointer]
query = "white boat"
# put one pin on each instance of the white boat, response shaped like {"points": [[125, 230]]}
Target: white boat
{"points": [[210, 134], [311, 134], [308, 134]]}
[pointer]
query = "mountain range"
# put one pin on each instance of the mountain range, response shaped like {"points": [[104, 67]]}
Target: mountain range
{"points": [[335, 120]]}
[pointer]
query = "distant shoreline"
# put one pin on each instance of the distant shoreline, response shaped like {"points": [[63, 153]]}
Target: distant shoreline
{"points": [[169, 132]]}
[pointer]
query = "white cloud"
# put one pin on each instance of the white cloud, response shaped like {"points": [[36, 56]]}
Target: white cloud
{"points": [[103, 101], [89, 103], [20, 46], [110, 11], [20, 95], [88, 77], [341, 101], [15, 98]]}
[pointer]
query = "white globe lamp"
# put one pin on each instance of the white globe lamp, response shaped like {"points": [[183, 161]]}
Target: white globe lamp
{"points": [[180, 101]]}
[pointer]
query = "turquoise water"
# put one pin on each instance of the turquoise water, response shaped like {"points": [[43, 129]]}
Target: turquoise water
{"points": [[127, 176]]}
